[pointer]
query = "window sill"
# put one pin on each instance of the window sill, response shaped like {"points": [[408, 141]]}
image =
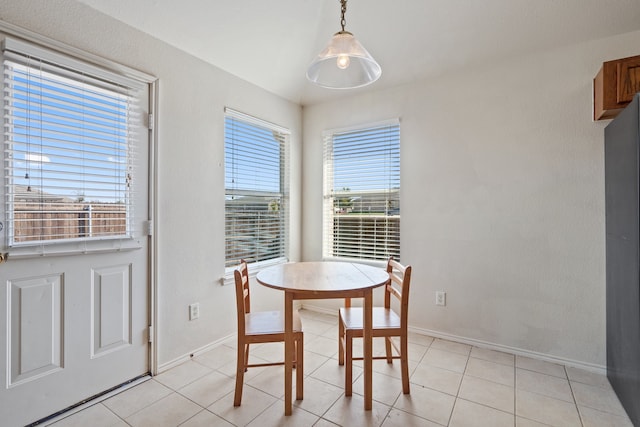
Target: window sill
{"points": [[74, 248], [373, 263], [254, 268]]}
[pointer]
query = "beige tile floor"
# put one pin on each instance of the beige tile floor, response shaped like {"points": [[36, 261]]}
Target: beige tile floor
{"points": [[452, 384]]}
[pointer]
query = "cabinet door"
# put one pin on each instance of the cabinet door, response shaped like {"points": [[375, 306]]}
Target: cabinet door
{"points": [[628, 79]]}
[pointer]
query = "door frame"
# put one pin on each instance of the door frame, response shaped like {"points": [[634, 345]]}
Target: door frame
{"points": [[10, 29], [153, 241]]}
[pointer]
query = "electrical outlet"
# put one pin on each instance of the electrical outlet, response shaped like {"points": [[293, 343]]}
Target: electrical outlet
{"points": [[194, 311], [441, 298]]}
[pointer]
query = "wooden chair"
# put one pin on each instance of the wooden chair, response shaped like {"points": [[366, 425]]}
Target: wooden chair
{"points": [[261, 327], [386, 323]]}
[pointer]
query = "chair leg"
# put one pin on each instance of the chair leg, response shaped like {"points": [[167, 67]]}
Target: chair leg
{"points": [[404, 363], [295, 353], [241, 367], [340, 340], [246, 357], [348, 372], [387, 344], [299, 367]]}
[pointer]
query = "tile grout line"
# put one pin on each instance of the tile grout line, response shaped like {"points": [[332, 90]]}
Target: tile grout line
{"points": [[457, 396], [573, 396]]}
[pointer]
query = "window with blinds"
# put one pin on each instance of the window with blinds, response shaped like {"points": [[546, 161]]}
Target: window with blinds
{"points": [[256, 199], [68, 148], [362, 193]]}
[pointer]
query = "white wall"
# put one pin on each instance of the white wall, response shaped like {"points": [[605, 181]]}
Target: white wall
{"points": [[502, 197], [190, 217], [502, 186]]}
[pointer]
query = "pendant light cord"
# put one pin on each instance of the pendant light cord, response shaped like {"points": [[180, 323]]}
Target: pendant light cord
{"points": [[343, 22]]}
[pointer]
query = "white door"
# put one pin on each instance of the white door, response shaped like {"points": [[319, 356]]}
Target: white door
{"points": [[74, 322], [72, 327]]}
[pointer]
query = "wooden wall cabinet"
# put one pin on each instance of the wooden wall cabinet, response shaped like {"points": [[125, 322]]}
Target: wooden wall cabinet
{"points": [[614, 86]]}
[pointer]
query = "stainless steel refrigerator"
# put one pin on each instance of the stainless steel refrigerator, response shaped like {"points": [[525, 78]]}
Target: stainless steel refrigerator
{"points": [[622, 184]]}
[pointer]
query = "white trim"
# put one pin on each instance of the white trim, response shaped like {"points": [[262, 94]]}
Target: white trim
{"points": [[255, 121], [254, 268], [368, 125], [23, 33], [205, 348], [152, 242], [197, 352], [73, 248], [372, 262], [591, 367], [317, 309], [25, 49]]}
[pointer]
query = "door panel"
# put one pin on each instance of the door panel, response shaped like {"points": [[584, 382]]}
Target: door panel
{"points": [[77, 326], [34, 332], [111, 303]]}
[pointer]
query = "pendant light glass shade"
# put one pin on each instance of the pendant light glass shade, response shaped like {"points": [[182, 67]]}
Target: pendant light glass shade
{"points": [[344, 63]]}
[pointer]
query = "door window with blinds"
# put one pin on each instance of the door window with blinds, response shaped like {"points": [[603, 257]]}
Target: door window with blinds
{"points": [[68, 148], [256, 196], [362, 193]]}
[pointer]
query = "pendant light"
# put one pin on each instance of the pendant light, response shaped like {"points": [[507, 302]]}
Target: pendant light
{"points": [[344, 63]]}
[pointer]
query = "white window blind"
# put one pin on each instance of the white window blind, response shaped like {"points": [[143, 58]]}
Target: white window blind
{"points": [[362, 193], [68, 148], [256, 196]]}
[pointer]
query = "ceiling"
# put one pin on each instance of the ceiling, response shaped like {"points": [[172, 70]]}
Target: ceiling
{"points": [[271, 42]]}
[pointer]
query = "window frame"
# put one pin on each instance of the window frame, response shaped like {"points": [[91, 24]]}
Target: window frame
{"points": [[328, 208], [284, 183], [78, 61]]}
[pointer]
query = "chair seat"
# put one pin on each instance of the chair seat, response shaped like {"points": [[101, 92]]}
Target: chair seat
{"points": [[269, 322], [383, 318]]}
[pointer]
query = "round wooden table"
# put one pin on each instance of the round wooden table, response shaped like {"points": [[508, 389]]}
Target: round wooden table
{"points": [[323, 280]]}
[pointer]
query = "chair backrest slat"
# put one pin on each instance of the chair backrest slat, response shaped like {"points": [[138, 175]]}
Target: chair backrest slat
{"points": [[398, 287], [393, 291]]}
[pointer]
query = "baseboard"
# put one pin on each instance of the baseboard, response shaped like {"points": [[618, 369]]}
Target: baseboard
{"points": [[188, 356], [591, 367], [318, 309]]}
